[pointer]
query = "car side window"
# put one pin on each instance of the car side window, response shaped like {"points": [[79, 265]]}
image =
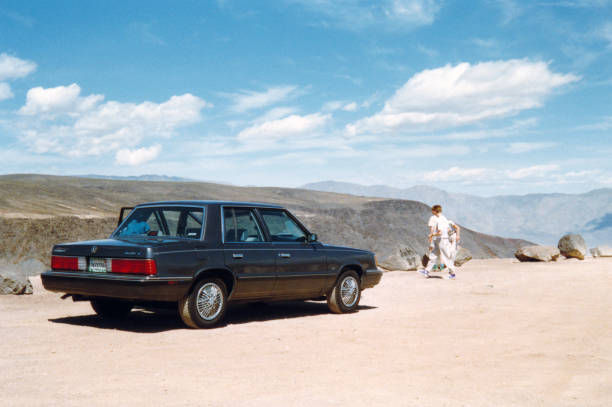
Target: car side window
{"points": [[282, 228], [193, 223], [240, 225], [172, 220]]}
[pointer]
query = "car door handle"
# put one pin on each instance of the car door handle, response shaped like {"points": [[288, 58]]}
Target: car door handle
{"points": [[237, 255], [284, 255]]}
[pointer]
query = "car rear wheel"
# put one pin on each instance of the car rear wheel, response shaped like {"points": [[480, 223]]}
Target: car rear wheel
{"points": [[109, 308], [205, 306], [346, 294]]}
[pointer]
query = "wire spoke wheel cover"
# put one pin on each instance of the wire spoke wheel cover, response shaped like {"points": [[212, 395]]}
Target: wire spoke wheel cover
{"points": [[349, 291], [344, 296], [209, 301]]}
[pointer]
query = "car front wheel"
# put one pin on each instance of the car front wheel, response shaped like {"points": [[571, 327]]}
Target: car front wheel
{"points": [[205, 306], [346, 294]]}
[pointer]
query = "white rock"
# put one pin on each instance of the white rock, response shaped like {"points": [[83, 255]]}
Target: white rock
{"points": [[601, 251], [12, 282], [537, 253], [463, 256], [401, 259]]}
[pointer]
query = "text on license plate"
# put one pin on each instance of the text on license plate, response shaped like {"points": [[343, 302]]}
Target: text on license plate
{"points": [[97, 265]]}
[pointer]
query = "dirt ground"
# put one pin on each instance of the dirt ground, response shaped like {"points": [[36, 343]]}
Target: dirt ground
{"points": [[503, 334]]}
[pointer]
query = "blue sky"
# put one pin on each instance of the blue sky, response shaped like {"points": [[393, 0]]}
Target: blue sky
{"points": [[484, 97]]}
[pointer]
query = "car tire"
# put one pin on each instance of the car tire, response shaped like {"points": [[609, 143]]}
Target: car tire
{"points": [[345, 295], [110, 308], [205, 305]]}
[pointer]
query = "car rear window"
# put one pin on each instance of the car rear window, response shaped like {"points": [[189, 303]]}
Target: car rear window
{"points": [[163, 221]]}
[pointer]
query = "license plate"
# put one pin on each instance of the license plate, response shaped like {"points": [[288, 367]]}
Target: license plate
{"points": [[97, 265]]}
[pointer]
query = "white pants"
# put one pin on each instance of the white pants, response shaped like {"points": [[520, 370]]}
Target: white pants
{"points": [[447, 252]]}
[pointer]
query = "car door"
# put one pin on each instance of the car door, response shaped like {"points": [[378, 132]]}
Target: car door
{"points": [[300, 265], [248, 254]]}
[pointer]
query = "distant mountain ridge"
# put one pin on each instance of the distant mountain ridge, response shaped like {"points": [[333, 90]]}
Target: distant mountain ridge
{"points": [[541, 218]]}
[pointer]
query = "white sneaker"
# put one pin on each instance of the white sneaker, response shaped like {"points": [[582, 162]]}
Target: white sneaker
{"points": [[451, 276], [423, 272]]}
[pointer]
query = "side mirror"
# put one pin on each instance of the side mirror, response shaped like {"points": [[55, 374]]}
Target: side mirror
{"points": [[312, 237]]}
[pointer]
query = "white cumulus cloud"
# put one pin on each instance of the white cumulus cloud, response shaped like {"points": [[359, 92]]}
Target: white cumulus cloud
{"points": [[333, 105], [340, 105], [350, 107], [12, 67], [525, 147], [61, 121], [391, 14], [249, 100], [61, 99], [458, 174], [533, 171], [275, 113], [605, 32], [455, 95], [549, 173], [417, 12], [286, 127], [138, 156], [5, 91]]}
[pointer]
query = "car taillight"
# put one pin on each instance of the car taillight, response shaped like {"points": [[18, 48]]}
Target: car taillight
{"points": [[68, 263], [133, 266]]}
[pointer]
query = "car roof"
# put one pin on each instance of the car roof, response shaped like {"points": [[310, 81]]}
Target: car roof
{"points": [[203, 203]]}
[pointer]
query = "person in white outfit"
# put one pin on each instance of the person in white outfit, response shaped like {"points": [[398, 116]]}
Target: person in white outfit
{"points": [[443, 238]]}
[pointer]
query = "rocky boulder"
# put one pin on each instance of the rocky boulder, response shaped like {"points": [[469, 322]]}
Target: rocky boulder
{"points": [[601, 251], [537, 253], [14, 277], [463, 256], [14, 282], [572, 246], [401, 259]]}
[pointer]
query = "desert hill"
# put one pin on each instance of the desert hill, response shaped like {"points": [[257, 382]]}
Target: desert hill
{"points": [[37, 211]]}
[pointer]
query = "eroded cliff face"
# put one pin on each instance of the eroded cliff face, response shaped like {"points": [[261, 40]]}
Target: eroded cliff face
{"points": [[22, 239], [388, 226]]}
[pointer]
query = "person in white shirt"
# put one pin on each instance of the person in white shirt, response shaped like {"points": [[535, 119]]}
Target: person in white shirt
{"points": [[443, 238]]}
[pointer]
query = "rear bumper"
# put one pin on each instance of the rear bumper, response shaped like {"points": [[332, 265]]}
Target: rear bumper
{"points": [[370, 278], [146, 288]]}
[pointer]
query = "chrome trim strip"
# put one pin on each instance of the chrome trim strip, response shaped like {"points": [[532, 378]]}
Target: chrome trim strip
{"points": [[100, 276], [246, 277], [181, 251], [313, 274], [170, 204], [114, 276], [287, 275]]}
